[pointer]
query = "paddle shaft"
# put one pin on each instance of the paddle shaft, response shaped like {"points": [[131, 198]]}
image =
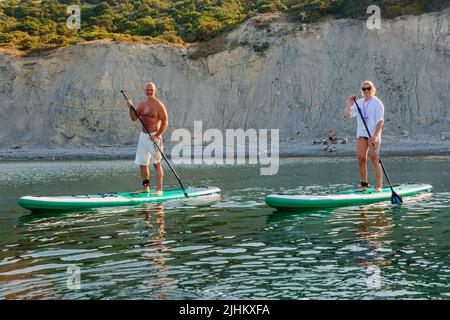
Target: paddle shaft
{"points": [[159, 149], [373, 144]]}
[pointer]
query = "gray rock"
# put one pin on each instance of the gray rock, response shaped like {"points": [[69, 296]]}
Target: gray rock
{"points": [[296, 80], [445, 135]]}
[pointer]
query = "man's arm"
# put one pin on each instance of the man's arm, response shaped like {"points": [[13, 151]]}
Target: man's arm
{"points": [[132, 114], [164, 118]]}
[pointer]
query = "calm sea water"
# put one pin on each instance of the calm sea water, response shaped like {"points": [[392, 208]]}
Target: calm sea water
{"points": [[232, 247]]}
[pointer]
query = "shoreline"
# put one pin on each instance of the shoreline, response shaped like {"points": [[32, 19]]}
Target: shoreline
{"points": [[392, 148]]}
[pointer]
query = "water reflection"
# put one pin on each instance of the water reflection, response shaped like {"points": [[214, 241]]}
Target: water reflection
{"points": [[277, 217], [34, 217], [372, 232], [234, 248], [21, 276], [23, 285], [155, 251]]}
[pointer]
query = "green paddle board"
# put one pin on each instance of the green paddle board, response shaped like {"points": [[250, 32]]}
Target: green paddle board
{"points": [[115, 199], [343, 198]]}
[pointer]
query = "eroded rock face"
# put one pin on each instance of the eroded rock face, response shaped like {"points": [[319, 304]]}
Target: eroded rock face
{"points": [[268, 73]]}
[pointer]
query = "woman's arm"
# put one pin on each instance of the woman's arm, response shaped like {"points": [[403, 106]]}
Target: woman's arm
{"points": [[378, 128], [348, 106], [377, 132], [379, 114]]}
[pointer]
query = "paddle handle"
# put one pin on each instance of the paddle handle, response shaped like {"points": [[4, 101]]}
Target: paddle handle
{"points": [[157, 146]]}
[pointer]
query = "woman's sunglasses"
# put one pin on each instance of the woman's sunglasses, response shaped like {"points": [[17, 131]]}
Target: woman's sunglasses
{"points": [[366, 88]]}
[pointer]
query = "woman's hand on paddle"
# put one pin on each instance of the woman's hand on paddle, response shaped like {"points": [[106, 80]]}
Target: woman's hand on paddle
{"points": [[348, 106], [374, 139], [352, 97]]}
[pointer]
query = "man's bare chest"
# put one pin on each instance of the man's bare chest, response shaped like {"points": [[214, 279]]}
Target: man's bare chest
{"points": [[149, 111]]}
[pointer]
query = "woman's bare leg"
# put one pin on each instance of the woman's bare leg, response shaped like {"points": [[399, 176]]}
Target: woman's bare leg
{"points": [[362, 148], [376, 165]]}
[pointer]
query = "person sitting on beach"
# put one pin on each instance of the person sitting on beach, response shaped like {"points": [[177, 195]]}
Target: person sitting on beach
{"points": [[330, 141], [372, 110], [154, 115], [331, 137]]}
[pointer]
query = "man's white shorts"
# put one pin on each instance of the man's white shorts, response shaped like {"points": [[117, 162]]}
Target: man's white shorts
{"points": [[147, 151]]}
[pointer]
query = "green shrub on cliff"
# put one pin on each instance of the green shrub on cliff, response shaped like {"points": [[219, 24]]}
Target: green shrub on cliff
{"points": [[34, 26]]}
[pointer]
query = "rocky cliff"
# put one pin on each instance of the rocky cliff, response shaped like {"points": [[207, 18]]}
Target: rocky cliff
{"points": [[268, 73]]}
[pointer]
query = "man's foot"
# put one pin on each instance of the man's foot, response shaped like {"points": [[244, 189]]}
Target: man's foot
{"points": [[157, 193], [146, 184], [364, 186]]}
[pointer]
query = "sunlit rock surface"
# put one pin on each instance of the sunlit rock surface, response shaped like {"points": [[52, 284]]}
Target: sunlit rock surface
{"points": [[268, 73]]}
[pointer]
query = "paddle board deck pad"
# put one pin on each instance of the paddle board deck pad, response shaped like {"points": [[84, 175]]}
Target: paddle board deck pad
{"points": [[343, 198], [114, 199]]}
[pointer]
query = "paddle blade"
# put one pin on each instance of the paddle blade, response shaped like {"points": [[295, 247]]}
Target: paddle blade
{"points": [[396, 199]]}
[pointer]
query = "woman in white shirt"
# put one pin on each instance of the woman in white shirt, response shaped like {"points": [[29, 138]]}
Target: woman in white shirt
{"points": [[372, 110]]}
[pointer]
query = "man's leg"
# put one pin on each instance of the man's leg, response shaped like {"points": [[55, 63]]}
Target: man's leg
{"points": [[376, 166], [156, 160], [159, 177], [142, 160], [361, 152], [145, 174]]}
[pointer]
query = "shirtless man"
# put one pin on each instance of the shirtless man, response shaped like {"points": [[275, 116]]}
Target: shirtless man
{"points": [[154, 115]]}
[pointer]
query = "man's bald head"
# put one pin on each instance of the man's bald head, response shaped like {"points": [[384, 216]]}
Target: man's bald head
{"points": [[150, 89]]}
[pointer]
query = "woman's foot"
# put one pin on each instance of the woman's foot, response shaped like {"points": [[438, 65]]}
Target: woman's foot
{"points": [[378, 189]]}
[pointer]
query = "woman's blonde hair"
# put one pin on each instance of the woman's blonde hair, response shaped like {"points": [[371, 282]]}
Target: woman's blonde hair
{"points": [[370, 83]]}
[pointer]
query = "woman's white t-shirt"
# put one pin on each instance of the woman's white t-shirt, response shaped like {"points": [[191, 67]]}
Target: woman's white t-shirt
{"points": [[372, 111]]}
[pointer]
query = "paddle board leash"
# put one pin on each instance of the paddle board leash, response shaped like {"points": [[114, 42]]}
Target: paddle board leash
{"points": [[157, 146], [395, 198]]}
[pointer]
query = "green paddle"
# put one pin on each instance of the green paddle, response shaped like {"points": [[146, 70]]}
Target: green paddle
{"points": [[395, 198], [159, 149]]}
